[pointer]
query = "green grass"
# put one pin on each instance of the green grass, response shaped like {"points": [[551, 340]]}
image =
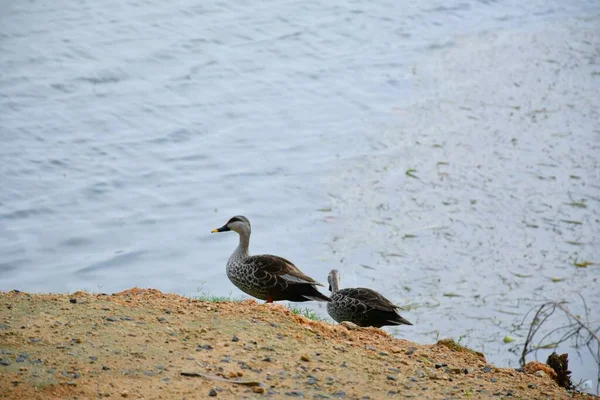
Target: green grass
{"points": [[216, 299], [306, 312], [203, 296]]}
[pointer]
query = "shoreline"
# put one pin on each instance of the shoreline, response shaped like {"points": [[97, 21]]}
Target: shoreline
{"points": [[142, 343]]}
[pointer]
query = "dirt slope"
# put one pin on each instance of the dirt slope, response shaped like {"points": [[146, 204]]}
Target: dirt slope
{"points": [[137, 343]]}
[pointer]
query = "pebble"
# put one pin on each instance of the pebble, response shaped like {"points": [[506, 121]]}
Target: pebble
{"points": [[235, 338], [35, 340], [22, 357], [438, 377], [540, 373], [258, 389], [161, 319], [4, 361], [111, 319], [411, 351], [340, 395], [493, 380], [439, 365], [487, 368], [124, 393], [311, 380], [105, 368], [212, 393], [267, 359], [391, 378], [532, 386], [295, 393], [72, 300], [305, 357]]}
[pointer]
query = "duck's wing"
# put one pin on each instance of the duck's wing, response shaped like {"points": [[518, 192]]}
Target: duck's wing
{"points": [[281, 268], [370, 298]]}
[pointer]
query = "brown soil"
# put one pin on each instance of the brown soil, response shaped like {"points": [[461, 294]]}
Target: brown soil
{"points": [[136, 344]]}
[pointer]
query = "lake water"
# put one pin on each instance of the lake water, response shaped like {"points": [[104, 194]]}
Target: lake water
{"points": [[443, 153]]}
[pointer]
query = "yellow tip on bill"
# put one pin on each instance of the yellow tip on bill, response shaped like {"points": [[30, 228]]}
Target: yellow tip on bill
{"points": [[214, 231]]}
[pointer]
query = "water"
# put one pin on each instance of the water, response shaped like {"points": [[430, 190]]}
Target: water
{"points": [[130, 129]]}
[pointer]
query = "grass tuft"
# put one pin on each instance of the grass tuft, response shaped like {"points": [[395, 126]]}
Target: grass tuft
{"points": [[306, 312]]}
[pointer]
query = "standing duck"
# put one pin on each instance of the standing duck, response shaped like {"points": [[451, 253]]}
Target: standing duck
{"points": [[362, 306], [265, 276]]}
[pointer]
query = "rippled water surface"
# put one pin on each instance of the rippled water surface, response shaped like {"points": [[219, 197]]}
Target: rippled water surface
{"points": [[445, 154]]}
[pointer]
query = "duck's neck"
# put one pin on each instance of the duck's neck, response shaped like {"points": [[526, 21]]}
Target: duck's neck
{"points": [[334, 283], [241, 251]]}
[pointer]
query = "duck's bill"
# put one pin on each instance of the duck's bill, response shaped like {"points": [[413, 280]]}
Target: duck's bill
{"points": [[224, 228]]}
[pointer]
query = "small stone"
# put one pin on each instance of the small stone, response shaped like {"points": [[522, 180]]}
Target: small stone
{"points": [[4, 361], [305, 357], [235, 338], [72, 300], [440, 365], [93, 358], [35, 340], [111, 319], [161, 319], [391, 378], [438, 377], [267, 359], [22, 368], [339, 394], [540, 373], [212, 393], [411, 351], [487, 368], [124, 393], [22, 357], [258, 389], [532, 386], [493, 380], [105, 368], [295, 393]]}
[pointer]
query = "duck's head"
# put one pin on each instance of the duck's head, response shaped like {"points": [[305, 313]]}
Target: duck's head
{"points": [[239, 224], [334, 280]]}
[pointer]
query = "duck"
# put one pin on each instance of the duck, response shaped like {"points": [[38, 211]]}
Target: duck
{"points": [[361, 306], [266, 277]]}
